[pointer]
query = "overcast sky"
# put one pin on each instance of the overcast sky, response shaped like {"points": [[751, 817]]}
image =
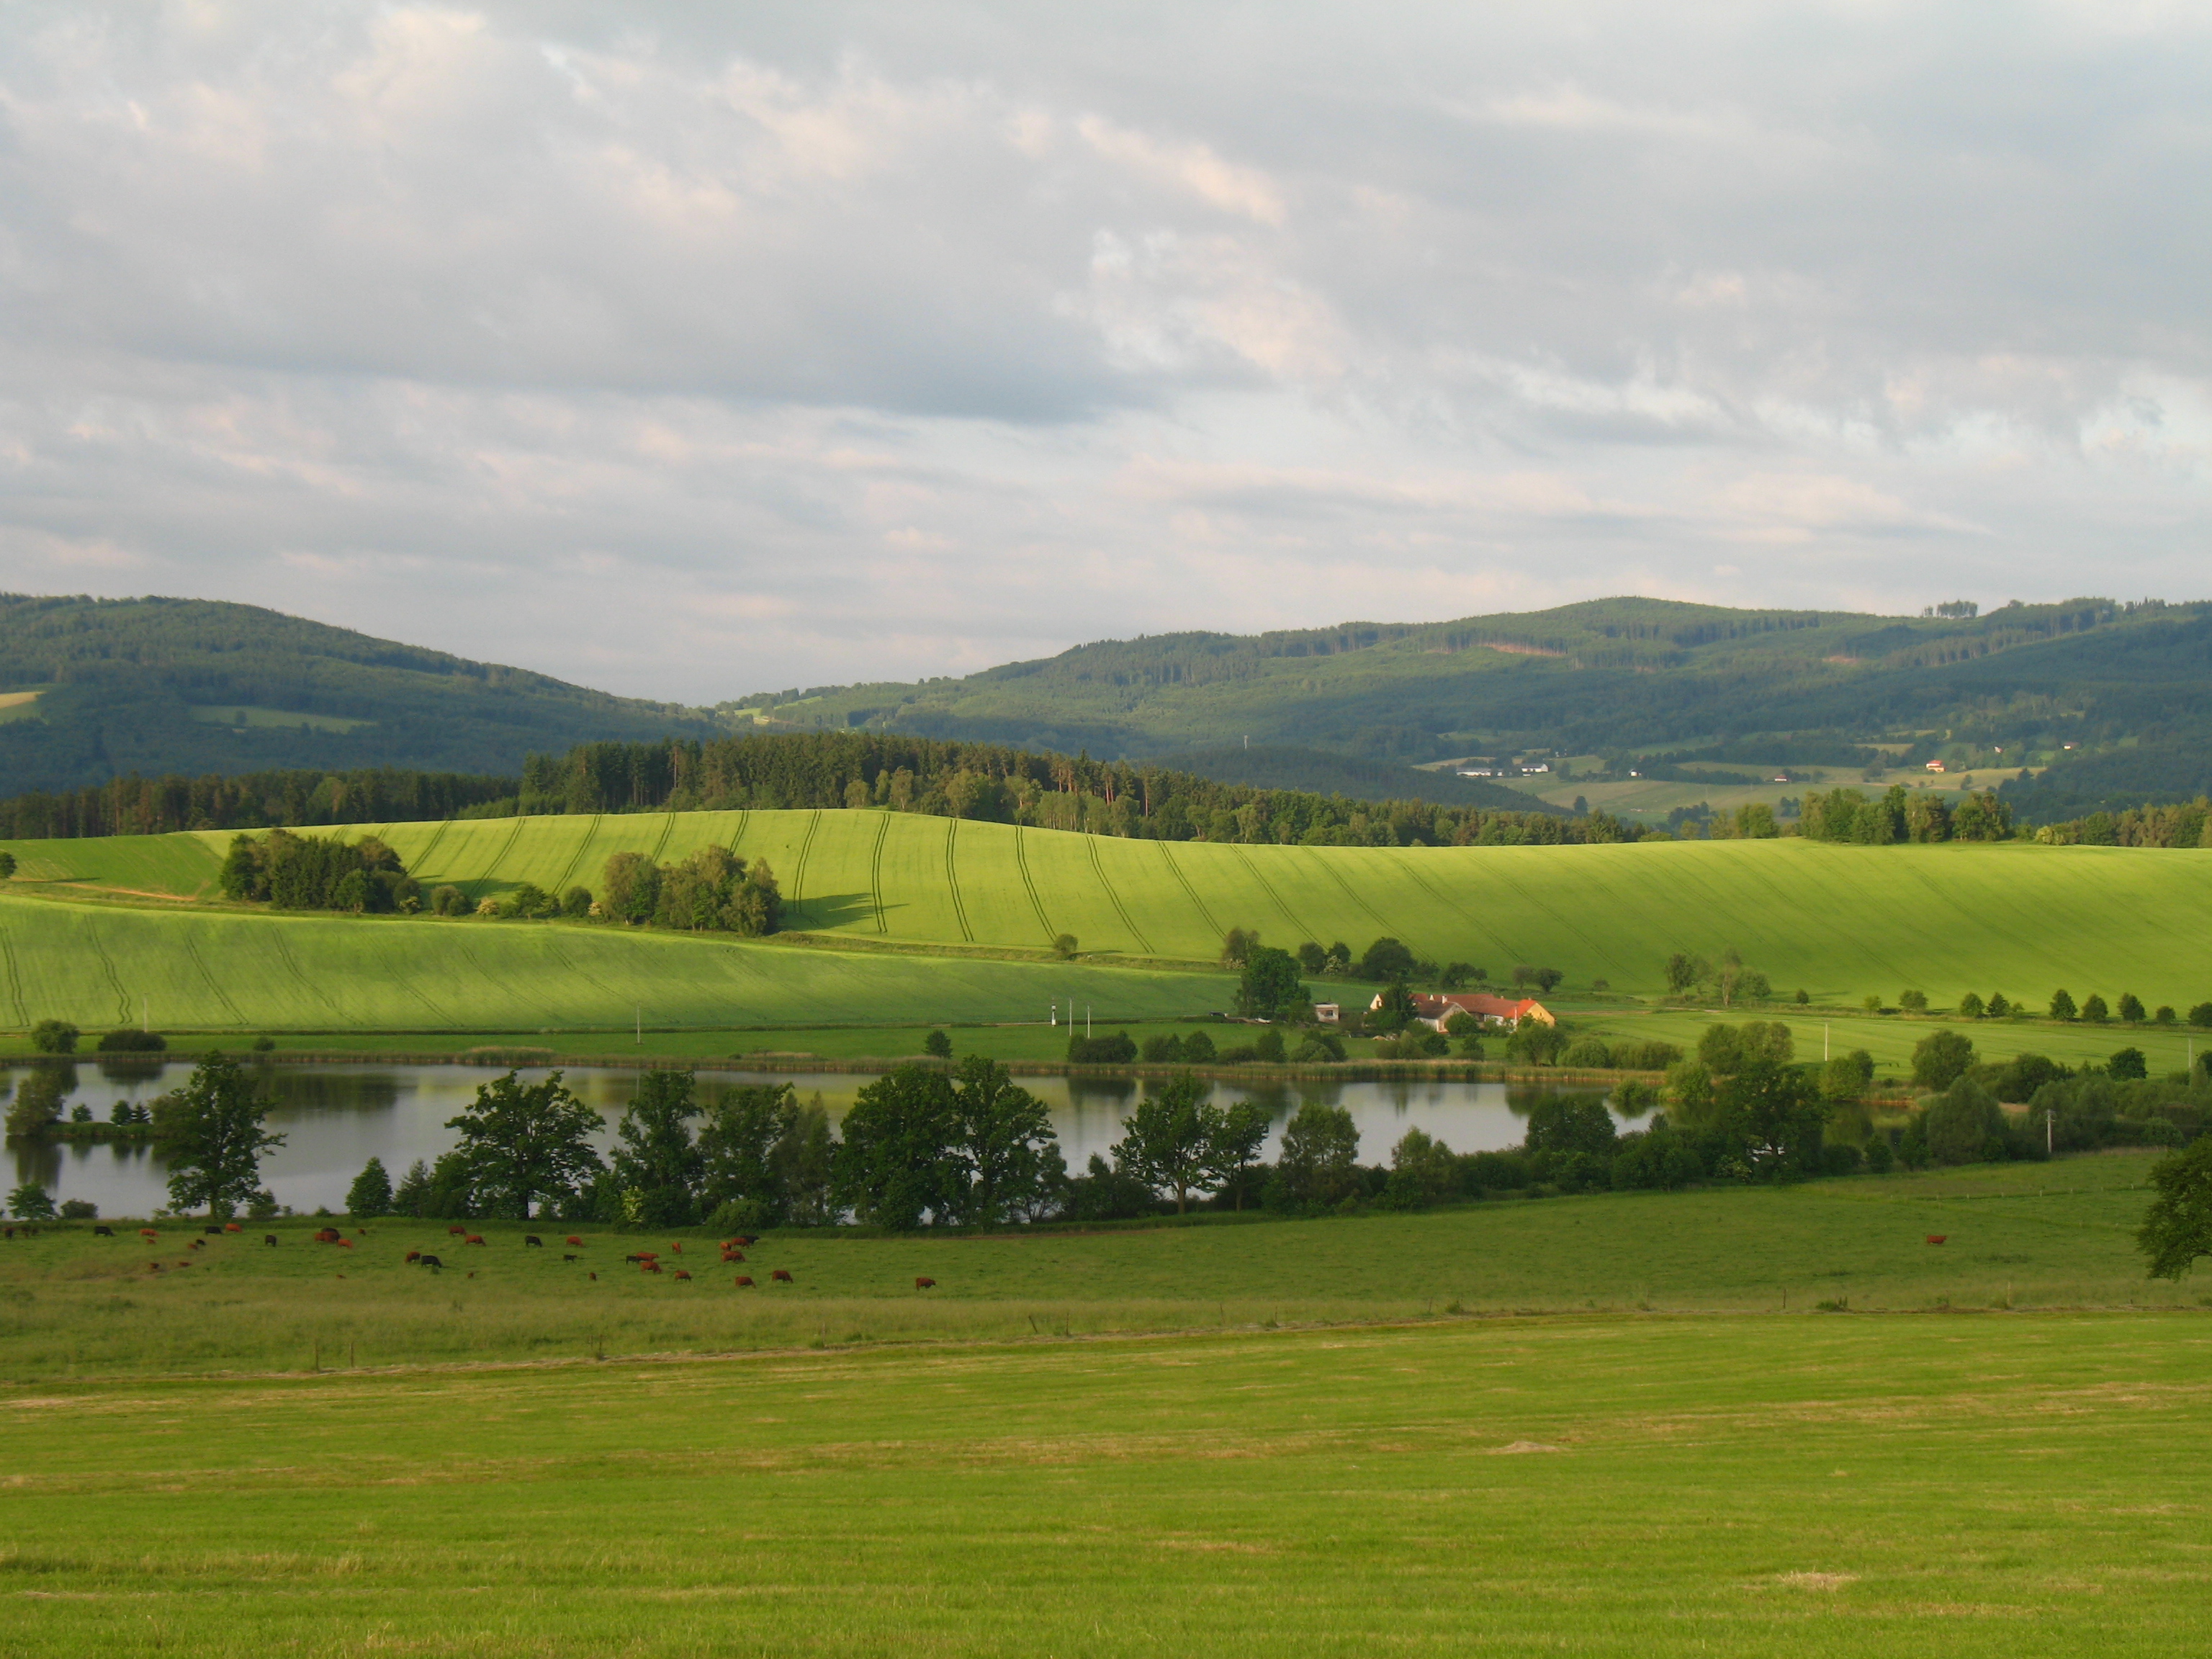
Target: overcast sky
{"points": [[694, 350]]}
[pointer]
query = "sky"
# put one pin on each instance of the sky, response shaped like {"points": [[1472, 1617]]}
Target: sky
{"points": [[694, 350]]}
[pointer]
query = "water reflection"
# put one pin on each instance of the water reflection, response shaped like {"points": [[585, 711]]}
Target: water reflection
{"points": [[335, 1118]]}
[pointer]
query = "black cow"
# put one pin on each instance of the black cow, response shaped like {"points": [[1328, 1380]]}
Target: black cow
{"points": [[217, 1231], [268, 1239], [533, 1241], [103, 1232], [432, 1261]]}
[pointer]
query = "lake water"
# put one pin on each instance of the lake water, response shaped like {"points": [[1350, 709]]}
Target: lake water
{"points": [[336, 1118]]}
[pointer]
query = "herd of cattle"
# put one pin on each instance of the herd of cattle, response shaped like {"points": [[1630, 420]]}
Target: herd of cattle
{"points": [[734, 1252]]}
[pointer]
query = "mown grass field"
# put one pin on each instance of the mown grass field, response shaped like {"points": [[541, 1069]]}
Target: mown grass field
{"points": [[1966, 1482], [1840, 922]]}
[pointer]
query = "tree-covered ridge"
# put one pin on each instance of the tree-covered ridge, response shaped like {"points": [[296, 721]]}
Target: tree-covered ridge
{"points": [[133, 806], [2068, 683], [165, 685]]}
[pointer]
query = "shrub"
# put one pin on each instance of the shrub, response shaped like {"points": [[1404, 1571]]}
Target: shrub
{"points": [[79, 1209], [2129, 1008], [1839, 1158], [1065, 947], [1120, 1049], [1940, 1057], [1879, 1156], [1913, 1002], [1269, 1048], [2164, 1016], [1197, 1049], [1163, 1050], [2201, 1014], [30, 1202], [576, 902], [1961, 1122], [1322, 1047], [2093, 1010], [54, 1037], [1587, 1053], [2127, 1065], [448, 901], [1648, 1055], [264, 1044], [128, 1040], [937, 1043], [1971, 1005], [2061, 1005]]}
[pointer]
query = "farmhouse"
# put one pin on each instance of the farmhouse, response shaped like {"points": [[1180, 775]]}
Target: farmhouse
{"points": [[1437, 1010]]}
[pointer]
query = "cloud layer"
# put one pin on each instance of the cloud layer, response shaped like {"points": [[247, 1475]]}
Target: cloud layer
{"points": [[711, 350]]}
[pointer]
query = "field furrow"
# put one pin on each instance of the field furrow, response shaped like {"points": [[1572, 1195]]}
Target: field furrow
{"points": [[1029, 883]]}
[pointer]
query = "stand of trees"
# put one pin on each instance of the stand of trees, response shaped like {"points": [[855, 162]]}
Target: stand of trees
{"points": [[316, 873], [133, 806]]}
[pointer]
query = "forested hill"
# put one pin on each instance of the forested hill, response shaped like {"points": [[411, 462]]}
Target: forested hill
{"points": [[94, 689], [2114, 699]]}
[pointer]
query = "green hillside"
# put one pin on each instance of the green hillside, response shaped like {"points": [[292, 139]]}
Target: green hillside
{"points": [[2115, 700], [91, 689], [1842, 922]]}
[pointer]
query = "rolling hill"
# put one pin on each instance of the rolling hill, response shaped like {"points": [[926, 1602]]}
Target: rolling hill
{"points": [[1842, 922], [93, 689]]}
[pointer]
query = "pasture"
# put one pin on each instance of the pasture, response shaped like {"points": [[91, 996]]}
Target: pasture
{"points": [[1838, 921], [1614, 1482], [2041, 1236]]}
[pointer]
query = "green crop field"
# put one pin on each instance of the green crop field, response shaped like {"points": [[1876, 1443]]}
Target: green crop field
{"points": [[1840, 922], [1128, 1441], [219, 970]]}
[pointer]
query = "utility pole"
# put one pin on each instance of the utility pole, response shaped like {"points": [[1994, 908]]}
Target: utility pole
{"points": [[145, 1014], [1086, 1019], [640, 1025], [1052, 1015], [1824, 1039]]}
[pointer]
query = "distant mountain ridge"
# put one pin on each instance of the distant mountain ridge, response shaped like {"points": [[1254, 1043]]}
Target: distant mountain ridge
{"points": [[92, 689]]}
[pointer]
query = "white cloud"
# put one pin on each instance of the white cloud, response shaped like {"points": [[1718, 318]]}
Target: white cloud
{"points": [[703, 349]]}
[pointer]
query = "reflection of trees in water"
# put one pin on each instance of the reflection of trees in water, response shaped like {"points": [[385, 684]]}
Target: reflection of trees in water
{"points": [[37, 1160], [125, 1070], [1521, 1098], [300, 1088]]}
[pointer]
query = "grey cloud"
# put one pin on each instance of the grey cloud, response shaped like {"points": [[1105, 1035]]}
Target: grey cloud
{"points": [[694, 350]]}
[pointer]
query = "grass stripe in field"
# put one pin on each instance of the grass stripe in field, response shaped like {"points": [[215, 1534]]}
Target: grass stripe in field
{"points": [[806, 846], [876, 875], [559, 883], [14, 978], [1298, 927], [213, 985]]}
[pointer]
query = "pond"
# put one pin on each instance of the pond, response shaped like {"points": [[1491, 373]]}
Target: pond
{"points": [[335, 1118]]}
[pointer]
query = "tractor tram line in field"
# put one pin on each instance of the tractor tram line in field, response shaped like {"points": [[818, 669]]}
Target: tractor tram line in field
{"points": [[1098, 868], [115, 980], [561, 882], [1267, 887], [1029, 882], [876, 876], [1167, 854], [952, 880], [14, 979], [796, 897], [198, 961]]}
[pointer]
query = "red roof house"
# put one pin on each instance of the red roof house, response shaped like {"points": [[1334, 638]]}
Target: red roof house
{"points": [[1437, 1009]]}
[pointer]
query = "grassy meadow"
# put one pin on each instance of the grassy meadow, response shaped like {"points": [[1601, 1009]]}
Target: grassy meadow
{"points": [[1333, 1437], [2045, 1235], [1839, 922]]}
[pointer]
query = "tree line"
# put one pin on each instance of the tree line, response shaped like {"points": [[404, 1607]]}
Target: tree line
{"points": [[318, 873], [133, 806]]}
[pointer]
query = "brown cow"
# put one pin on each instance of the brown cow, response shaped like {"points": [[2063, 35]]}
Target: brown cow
{"points": [[572, 1239], [456, 1232], [232, 1227], [343, 1244], [1937, 1238], [744, 1283], [781, 1275], [195, 1244], [414, 1255], [148, 1232], [473, 1238], [594, 1278], [677, 1248], [650, 1268], [729, 1256], [326, 1235], [925, 1283], [680, 1273]]}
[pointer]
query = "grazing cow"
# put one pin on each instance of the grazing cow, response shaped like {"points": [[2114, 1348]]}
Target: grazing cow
{"points": [[414, 1255], [153, 1267], [572, 1239], [780, 1276], [232, 1227], [677, 1248], [474, 1239], [729, 1256], [680, 1273], [533, 1242], [456, 1232], [195, 1244], [97, 1232], [744, 1241], [744, 1283], [566, 1256], [650, 1268], [268, 1239], [925, 1283], [217, 1231], [1937, 1238], [326, 1235], [345, 1243], [431, 1262], [148, 1232], [594, 1278]]}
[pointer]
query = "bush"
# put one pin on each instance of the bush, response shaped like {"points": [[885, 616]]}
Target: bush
{"points": [[1065, 947], [2093, 1010], [1879, 1156], [79, 1209], [1587, 1053], [127, 1040], [1913, 1002], [1960, 1124], [1839, 1158], [54, 1037], [1120, 1049], [1939, 1058], [937, 1043], [2201, 1014], [576, 902], [1494, 1172], [2127, 1065], [449, 902], [1163, 1050], [1197, 1049], [1322, 1047], [1648, 1055]]}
